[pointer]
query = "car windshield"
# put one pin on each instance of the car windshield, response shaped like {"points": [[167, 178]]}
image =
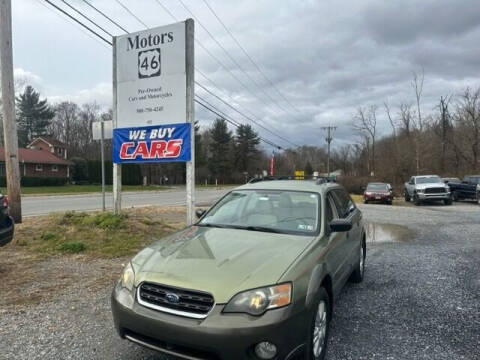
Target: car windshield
{"points": [[289, 212], [429, 180], [376, 187]]}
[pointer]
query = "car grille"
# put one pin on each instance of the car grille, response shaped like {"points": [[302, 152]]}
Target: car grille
{"points": [[176, 301], [438, 190]]}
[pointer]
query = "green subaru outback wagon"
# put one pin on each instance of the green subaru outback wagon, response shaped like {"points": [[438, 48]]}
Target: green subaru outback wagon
{"points": [[255, 278]]}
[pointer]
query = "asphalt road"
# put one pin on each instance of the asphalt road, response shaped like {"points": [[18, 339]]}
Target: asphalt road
{"points": [[41, 205], [420, 300]]}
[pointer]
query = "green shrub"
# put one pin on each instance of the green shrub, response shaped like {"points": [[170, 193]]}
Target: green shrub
{"points": [[105, 220], [73, 247], [49, 236]]}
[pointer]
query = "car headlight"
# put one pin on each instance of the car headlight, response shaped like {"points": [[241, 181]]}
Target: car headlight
{"points": [[257, 301], [128, 277], [447, 188], [368, 193], [478, 187], [420, 190]]}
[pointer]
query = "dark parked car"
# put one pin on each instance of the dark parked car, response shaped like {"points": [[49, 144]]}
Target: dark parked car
{"points": [[468, 189], [449, 180], [256, 278], [6, 222], [378, 192]]}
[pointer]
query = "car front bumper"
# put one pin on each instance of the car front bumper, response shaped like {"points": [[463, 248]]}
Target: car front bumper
{"points": [[219, 336], [6, 233], [379, 198], [435, 196]]}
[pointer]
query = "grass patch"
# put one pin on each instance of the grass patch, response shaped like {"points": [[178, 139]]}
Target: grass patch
{"points": [[101, 234], [72, 247]]}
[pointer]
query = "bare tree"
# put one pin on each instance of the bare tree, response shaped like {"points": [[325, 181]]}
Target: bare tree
{"points": [[365, 123], [469, 118], [444, 126]]}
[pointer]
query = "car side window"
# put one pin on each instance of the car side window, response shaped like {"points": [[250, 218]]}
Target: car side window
{"points": [[343, 203], [330, 212]]}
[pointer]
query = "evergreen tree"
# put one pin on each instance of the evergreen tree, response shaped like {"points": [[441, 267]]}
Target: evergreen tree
{"points": [[33, 116], [221, 140], [246, 147]]}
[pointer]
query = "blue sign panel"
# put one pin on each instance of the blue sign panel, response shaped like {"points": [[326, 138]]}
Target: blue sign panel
{"points": [[152, 144]]}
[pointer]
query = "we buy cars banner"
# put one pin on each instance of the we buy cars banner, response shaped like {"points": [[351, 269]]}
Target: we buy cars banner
{"points": [[161, 143]]}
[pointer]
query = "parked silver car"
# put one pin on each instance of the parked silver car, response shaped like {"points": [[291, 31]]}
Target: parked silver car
{"points": [[427, 188]]}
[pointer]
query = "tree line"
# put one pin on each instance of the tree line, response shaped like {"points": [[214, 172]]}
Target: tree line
{"points": [[444, 141]]}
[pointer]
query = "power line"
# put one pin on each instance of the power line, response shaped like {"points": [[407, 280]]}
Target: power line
{"points": [[235, 62], [86, 17], [131, 13], [222, 115], [79, 22], [75, 25], [242, 114], [208, 52], [220, 63], [105, 16], [248, 56], [210, 107]]}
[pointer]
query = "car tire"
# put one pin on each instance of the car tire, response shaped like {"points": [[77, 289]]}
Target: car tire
{"points": [[357, 274], [416, 200], [447, 201], [407, 196], [319, 327], [365, 201], [389, 202]]}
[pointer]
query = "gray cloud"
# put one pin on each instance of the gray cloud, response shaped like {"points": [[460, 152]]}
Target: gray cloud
{"points": [[327, 57]]}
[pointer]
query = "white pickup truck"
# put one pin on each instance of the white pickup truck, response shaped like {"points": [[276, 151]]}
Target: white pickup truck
{"points": [[427, 188]]}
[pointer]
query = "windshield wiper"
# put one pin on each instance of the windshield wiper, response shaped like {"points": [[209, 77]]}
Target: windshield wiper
{"points": [[255, 228], [214, 225]]}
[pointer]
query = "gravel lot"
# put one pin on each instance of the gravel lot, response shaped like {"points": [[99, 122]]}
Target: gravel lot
{"points": [[420, 298]]}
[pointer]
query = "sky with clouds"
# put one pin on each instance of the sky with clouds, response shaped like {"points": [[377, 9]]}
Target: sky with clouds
{"points": [[326, 57]]}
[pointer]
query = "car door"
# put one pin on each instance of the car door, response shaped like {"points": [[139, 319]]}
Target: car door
{"points": [[337, 244], [349, 211], [411, 186]]}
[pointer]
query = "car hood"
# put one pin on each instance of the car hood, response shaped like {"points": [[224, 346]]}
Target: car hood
{"points": [[222, 262]]}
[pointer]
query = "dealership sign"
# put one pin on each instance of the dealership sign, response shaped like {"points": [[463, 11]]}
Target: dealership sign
{"points": [[151, 78], [151, 104], [168, 143]]}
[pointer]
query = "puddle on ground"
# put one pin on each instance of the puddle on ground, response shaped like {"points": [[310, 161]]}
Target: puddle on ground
{"points": [[383, 233]]}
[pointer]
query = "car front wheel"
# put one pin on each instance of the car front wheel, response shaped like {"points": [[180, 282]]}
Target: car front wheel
{"points": [[319, 327], [416, 200], [357, 274], [407, 196]]}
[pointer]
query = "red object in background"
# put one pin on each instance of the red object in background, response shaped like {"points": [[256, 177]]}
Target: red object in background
{"points": [[5, 202], [272, 165]]}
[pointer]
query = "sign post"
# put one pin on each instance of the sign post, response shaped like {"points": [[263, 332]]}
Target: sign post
{"points": [[102, 130], [153, 102], [190, 93]]}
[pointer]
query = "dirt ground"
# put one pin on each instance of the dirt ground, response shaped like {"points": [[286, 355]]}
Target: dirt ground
{"points": [[31, 278]]}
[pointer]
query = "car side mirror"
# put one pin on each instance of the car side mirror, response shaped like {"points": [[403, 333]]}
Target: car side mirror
{"points": [[200, 213], [340, 225]]}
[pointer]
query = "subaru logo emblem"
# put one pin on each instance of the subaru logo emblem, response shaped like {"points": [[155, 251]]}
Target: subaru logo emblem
{"points": [[172, 298]]}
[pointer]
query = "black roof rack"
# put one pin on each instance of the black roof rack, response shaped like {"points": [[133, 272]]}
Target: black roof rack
{"points": [[318, 179]]}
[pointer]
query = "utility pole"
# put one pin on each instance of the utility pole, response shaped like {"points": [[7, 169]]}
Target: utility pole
{"points": [[8, 99], [329, 139]]}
